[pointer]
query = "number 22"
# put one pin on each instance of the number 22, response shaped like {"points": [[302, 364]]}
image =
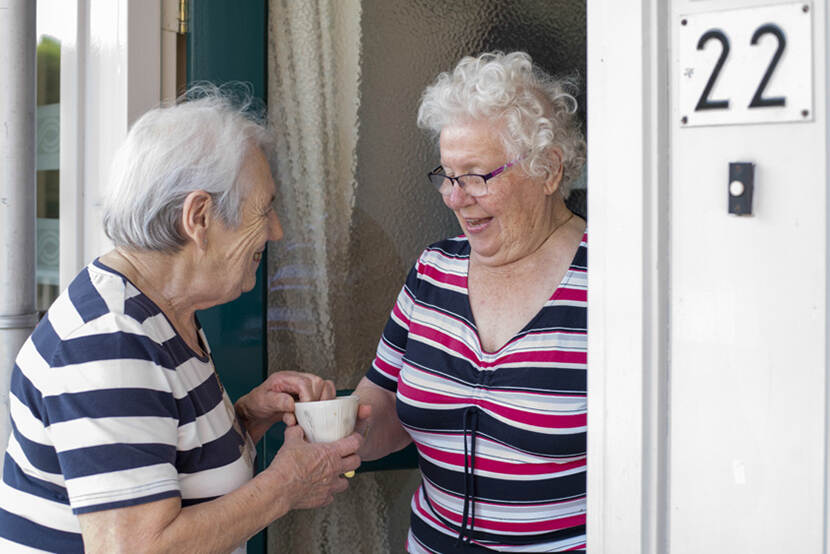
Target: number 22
{"points": [[758, 100]]}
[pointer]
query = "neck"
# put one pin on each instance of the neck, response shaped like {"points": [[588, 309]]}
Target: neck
{"points": [[164, 278], [555, 225], [557, 221]]}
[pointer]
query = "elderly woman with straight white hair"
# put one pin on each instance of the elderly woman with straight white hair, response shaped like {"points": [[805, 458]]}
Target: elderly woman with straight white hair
{"points": [[483, 360], [124, 439]]}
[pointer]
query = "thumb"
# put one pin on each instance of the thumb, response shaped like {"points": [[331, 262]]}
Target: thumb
{"points": [[294, 433]]}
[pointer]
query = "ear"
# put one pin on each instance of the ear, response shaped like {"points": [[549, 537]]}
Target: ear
{"points": [[554, 178], [197, 214]]}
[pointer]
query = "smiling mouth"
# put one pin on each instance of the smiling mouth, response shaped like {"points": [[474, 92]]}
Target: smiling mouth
{"points": [[478, 222]]}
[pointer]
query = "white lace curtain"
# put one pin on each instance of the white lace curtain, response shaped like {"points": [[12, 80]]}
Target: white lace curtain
{"points": [[314, 71], [313, 99]]}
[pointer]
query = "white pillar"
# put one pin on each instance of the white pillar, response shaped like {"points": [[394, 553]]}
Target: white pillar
{"points": [[17, 189], [628, 276]]}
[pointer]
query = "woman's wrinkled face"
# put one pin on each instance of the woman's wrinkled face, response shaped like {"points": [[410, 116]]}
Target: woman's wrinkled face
{"points": [[237, 251], [511, 220]]}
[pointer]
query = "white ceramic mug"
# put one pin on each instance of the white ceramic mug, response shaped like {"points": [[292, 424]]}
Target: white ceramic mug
{"points": [[327, 420]]}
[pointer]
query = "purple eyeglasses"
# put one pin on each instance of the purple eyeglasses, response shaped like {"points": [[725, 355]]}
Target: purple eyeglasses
{"points": [[471, 183]]}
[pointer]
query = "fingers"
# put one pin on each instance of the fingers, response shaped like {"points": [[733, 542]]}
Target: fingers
{"points": [[294, 433], [364, 411], [351, 463], [280, 402], [319, 470], [340, 484], [328, 391], [305, 386], [347, 445]]}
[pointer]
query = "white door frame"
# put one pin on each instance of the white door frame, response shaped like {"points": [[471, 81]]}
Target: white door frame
{"points": [[628, 314], [110, 75]]}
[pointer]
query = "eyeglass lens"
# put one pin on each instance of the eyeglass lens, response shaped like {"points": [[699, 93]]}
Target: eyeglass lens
{"points": [[474, 185]]}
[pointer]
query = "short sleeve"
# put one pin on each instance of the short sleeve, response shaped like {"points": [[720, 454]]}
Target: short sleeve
{"points": [[392, 345]]}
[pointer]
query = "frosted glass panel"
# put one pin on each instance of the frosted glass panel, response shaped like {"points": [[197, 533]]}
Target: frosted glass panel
{"points": [[405, 45], [345, 77], [48, 157]]}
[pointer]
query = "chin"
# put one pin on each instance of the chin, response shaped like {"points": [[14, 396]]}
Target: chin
{"points": [[482, 250], [488, 256], [249, 285]]}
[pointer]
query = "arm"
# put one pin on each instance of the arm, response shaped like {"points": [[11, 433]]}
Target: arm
{"points": [[302, 475], [273, 400], [382, 429]]}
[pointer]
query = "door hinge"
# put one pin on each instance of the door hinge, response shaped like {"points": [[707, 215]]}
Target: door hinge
{"points": [[182, 19]]}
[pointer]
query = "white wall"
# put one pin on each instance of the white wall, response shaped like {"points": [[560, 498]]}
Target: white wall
{"points": [[749, 316], [708, 340]]}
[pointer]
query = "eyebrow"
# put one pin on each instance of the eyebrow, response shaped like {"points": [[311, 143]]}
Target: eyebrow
{"points": [[469, 163]]}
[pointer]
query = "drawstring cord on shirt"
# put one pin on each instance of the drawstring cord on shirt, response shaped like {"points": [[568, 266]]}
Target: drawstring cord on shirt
{"points": [[465, 534]]}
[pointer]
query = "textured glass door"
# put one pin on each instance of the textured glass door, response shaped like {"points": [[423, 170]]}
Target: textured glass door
{"points": [[49, 27], [344, 81]]}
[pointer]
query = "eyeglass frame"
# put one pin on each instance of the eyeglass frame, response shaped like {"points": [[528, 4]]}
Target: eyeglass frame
{"points": [[455, 180]]}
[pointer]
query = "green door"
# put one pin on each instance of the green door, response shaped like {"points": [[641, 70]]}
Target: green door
{"points": [[226, 41]]}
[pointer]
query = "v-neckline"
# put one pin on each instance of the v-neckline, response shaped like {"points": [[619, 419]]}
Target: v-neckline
{"points": [[485, 354]]}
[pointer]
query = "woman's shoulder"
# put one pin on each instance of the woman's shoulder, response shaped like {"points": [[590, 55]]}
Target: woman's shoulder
{"points": [[452, 247], [86, 324], [580, 260], [450, 254], [98, 300]]}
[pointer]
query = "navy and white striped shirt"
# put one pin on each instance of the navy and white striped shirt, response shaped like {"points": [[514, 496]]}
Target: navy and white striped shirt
{"points": [[501, 436], [111, 408]]}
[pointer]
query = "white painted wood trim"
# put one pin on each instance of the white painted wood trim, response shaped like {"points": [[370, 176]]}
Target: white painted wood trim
{"points": [[628, 275], [169, 34], [110, 75], [73, 78], [821, 47]]}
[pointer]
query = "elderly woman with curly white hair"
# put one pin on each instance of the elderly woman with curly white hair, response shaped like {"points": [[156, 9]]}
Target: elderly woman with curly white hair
{"points": [[124, 439], [483, 360]]}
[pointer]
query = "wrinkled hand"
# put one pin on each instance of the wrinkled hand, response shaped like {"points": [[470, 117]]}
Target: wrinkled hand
{"points": [[273, 400], [314, 472]]}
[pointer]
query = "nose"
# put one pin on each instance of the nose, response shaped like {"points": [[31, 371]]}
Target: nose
{"points": [[274, 227], [457, 198]]}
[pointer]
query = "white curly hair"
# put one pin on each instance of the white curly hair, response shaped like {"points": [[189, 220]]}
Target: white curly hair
{"points": [[537, 112]]}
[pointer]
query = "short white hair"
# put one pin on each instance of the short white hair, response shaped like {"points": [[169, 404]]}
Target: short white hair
{"points": [[200, 143], [535, 111]]}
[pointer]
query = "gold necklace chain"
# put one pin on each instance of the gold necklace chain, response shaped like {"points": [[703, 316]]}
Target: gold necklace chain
{"points": [[547, 238]]}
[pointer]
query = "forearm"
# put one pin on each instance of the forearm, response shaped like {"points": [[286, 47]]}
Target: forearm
{"points": [[301, 475], [228, 521], [383, 432], [163, 526]]}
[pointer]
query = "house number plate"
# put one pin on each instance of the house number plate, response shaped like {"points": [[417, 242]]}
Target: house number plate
{"points": [[750, 65]]}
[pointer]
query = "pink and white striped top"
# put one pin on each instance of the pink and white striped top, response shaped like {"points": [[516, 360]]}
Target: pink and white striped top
{"points": [[500, 435]]}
